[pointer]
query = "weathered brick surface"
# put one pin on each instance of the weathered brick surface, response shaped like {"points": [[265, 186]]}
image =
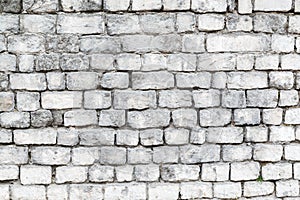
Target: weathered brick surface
{"points": [[149, 99]]}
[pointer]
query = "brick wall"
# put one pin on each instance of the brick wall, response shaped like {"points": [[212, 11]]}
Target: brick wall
{"points": [[149, 99]]}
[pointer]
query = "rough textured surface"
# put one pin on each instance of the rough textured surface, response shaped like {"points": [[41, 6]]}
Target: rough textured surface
{"points": [[149, 99]]}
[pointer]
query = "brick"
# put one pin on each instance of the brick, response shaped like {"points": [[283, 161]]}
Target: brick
{"points": [[237, 152], [176, 136], [67, 137], [115, 80], [85, 156], [106, 60], [26, 43], [152, 62], [253, 188], [80, 118], [86, 191], [55, 192], [190, 80], [99, 44], [249, 116], [267, 62], [206, 98], [151, 137], [152, 80], [118, 24], [130, 99], [194, 190], [128, 61], [73, 62], [148, 118], [245, 6], [8, 62], [40, 7], [239, 23], [256, 134], [28, 101], [215, 117], [210, 22], [26, 63], [127, 137], [288, 98], [114, 118], [290, 62], [290, 152], [173, 173], [233, 99], [95, 136], [191, 154], [28, 192], [134, 191], [7, 101], [287, 188], [262, 98], [73, 174], [13, 155], [146, 5], [113, 155], [273, 116], [41, 118], [61, 100], [55, 81], [175, 98], [38, 23], [219, 80], [277, 5], [15, 119], [82, 80], [277, 171], [227, 190], [198, 135], [30, 82], [225, 135], [161, 23], [147, 173], [34, 174], [215, 172], [9, 24], [139, 155], [35, 136], [181, 62], [247, 80], [97, 99], [4, 192], [62, 43], [98, 173], [291, 116], [270, 23], [185, 22], [193, 43], [267, 152], [69, 5], [177, 5], [9, 172], [237, 43], [283, 43], [116, 6], [165, 154], [124, 173], [171, 191], [81, 24], [50, 155], [13, 6], [244, 171], [209, 6], [5, 136], [294, 24], [184, 117]]}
